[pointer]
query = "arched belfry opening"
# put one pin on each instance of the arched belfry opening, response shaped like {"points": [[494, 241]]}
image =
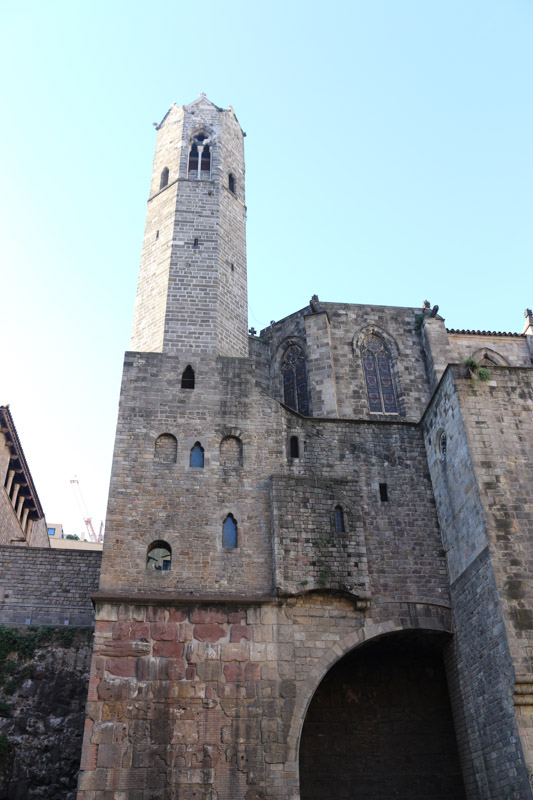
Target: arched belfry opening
{"points": [[380, 726]]}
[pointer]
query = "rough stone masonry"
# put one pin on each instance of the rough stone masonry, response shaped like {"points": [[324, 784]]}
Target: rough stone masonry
{"points": [[316, 579]]}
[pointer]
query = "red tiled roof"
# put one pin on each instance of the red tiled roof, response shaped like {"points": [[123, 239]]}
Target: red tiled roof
{"points": [[482, 333]]}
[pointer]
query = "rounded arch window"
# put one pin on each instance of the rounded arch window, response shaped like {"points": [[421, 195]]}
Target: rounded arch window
{"points": [[159, 556], [443, 444], [231, 182], [377, 366], [166, 448], [231, 451]]}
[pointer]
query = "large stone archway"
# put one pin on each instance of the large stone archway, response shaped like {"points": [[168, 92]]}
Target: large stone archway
{"points": [[437, 625], [380, 726]]}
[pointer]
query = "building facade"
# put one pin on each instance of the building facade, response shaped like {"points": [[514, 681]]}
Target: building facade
{"points": [[22, 521], [316, 578]]}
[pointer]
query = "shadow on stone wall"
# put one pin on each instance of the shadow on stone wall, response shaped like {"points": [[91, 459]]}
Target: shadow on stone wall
{"points": [[44, 674]]}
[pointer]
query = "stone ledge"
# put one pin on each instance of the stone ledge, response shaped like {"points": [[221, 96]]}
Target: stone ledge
{"points": [[161, 599]]}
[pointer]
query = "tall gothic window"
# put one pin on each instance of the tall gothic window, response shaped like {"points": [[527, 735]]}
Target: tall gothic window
{"points": [[295, 380], [378, 377]]}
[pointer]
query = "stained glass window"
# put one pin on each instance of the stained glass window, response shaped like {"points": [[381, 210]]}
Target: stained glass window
{"points": [[378, 377], [294, 374]]}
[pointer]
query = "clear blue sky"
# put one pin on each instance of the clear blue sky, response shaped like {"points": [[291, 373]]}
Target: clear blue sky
{"points": [[389, 160]]}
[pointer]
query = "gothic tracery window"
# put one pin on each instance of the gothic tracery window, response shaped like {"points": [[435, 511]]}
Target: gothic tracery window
{"points": [[294, 375], [378, 376], [200, 157]]}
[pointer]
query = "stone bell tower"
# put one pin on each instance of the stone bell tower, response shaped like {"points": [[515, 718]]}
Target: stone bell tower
{"points": [[191, 295]]}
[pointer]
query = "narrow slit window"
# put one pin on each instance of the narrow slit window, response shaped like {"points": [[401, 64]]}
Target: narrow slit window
{"points": [[164, 179], [193, 158], [229, 532], [294, 447], [339, 519], [159, 556], [206, 159], [197, 456], [383, 493], [187, 379], [195, 243], [443, 444], [231, 183]]}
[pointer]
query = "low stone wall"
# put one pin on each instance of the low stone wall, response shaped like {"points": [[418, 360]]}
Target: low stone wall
{"points": [[47, 587]]}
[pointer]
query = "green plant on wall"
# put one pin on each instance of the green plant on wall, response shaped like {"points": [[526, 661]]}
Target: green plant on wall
{"points": [[476, 371]]}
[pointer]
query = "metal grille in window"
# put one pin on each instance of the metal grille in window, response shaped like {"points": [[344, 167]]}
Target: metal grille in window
{"points": [[378, 377], [295, 393]]}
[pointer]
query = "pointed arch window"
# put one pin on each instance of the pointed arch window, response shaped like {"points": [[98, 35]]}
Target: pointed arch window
{"points": [[378, 377], [229, 532], [200, 157], [197, 456], [294, 374], [187, 379], [164, 179]]}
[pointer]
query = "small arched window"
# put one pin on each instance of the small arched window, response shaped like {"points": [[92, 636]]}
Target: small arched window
{"points": [[231, 182], [206, 159], [294, 376], [229, 531], [339, 519], [187, 379], [166, 448], [197, 456], [164, 179], [231, 452], [159, 556], [443, 445], [294, 447], [193, 158], [378, 376]]}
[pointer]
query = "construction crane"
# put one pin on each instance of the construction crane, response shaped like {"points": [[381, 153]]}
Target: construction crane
{"points": [[85, 514]]}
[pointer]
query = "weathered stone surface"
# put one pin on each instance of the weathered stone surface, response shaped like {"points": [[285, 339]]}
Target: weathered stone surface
{"points": [[46, 696]]}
